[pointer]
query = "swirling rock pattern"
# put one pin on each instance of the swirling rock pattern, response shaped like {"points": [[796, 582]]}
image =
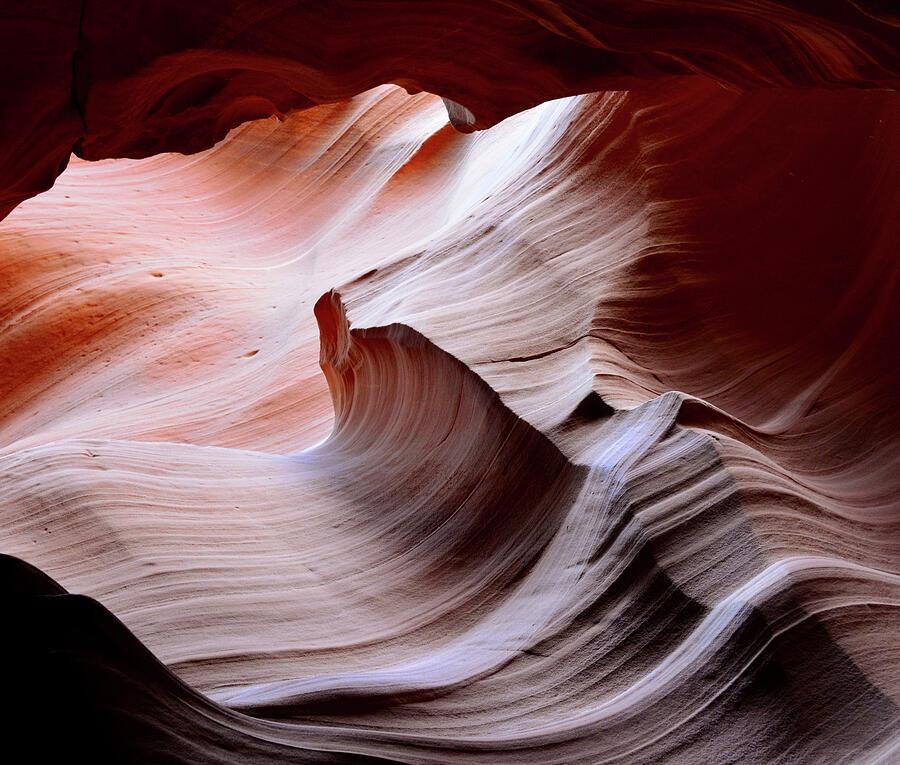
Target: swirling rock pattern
{"points": [[106, 79], [603, 465]]}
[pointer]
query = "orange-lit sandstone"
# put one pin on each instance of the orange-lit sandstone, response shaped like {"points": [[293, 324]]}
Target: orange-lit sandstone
{"points": [[572, 438]]}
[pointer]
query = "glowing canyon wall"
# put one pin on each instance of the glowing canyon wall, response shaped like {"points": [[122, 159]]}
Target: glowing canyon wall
{"points": [[481, 382]]}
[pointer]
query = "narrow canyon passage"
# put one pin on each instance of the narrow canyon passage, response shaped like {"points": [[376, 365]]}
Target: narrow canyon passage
{"points": [[546, 416]]}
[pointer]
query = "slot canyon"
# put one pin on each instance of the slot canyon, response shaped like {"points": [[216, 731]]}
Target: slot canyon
{"points": [[450, 381]]}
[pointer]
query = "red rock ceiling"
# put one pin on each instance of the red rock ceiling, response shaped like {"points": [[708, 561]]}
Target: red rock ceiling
{"points": [[603, 466]]}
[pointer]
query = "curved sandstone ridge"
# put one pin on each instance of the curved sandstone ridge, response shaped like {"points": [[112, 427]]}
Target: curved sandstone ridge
{"points": [[607, 467], [108, 79], [426, 615]]}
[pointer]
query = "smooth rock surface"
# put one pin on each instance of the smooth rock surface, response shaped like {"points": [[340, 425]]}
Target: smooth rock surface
{"points": [[357, 437]]}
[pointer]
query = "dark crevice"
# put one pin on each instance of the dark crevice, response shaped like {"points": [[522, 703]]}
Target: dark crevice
{"points": [[591, 408], [542, 354]]}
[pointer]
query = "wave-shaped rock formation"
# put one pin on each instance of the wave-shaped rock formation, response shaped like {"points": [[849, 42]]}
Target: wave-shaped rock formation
{"points": [[107, 79], [465, 425]]}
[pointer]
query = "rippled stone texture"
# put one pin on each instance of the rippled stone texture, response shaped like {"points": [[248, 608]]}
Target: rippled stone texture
{"points": [[603, 463], [107, 79]]}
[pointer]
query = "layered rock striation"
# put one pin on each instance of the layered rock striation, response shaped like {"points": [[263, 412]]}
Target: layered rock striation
{"points": [[106, 80], [393, 428]]}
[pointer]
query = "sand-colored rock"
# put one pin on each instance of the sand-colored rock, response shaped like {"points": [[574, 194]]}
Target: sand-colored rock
{"points": [[574, 439]]}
